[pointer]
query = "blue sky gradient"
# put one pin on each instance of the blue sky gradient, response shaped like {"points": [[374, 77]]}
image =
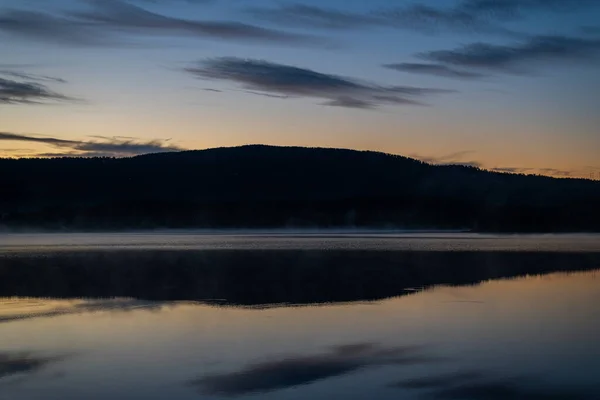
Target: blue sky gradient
{"points": [[503, 84]]}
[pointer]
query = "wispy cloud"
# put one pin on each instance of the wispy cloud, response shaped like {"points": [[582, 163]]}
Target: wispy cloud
{"points": [[290, 81], [50, 28], [273, 96], [510, 9], [104, 147], [479, 60], [178, 1], [430, 20], [106, 21], [556, 172], [121, 15], [512, 170], [349, 102], [484, 16], [466, 158], [25, 138], [520, 56], [316, 17], [456, 158], [31, 77], [479, 15], [434, 69], [22, 88], [591, 30]]}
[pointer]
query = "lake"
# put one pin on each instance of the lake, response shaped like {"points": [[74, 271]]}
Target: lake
{"points": [[325, 315]]}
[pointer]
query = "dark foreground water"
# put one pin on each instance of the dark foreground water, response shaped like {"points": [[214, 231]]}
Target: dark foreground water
{"points": [[378, 316]]}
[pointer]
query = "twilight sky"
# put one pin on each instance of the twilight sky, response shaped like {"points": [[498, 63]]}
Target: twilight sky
{"points": [[511, 85]]}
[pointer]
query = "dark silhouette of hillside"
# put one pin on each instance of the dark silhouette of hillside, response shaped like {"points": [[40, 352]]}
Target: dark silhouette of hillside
{"points": [[266, 187]]}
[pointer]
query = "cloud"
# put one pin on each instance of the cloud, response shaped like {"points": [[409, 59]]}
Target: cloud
{"points": [[126, 146], [474, 164], [479, 15], [414, 17], [434, 69], [16, 150], [273, 96], [511, 9], [315, 17], [456, 158], [22, 88], [24, 138], [555, 172], [294, 371], [121, 15], [464, 16], [290, 81], [179, 1], [518, 57], [106, 147], [478, 60], [429, 19], [437, 381], [511, 170], [106, 21], [349, 102], [31, 77], [591, 30], [463, 158], [50, 28]]}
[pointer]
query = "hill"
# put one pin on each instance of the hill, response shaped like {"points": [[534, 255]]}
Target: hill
{"points": [[266, 186]]}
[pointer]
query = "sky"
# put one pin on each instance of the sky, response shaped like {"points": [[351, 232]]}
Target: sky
{"points": [[506, 85]]}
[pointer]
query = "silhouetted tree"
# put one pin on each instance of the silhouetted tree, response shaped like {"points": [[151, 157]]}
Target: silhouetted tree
{"points": [[264, 186]]}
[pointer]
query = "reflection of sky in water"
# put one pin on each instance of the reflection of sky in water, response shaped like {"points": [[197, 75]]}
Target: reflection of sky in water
{"points": [[522, 338]]}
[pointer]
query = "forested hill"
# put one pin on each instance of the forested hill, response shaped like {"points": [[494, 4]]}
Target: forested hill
{"points": [[268, 187]]}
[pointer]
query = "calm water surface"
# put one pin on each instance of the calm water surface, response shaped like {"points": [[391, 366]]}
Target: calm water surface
{"points": [[311, 316]]}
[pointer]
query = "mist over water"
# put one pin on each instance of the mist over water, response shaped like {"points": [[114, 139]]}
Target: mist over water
{"points": [[190, 315], [342, 239]]}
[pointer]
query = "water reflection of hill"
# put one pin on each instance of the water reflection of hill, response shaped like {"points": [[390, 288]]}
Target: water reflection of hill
{"points": [[251, 278]]}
